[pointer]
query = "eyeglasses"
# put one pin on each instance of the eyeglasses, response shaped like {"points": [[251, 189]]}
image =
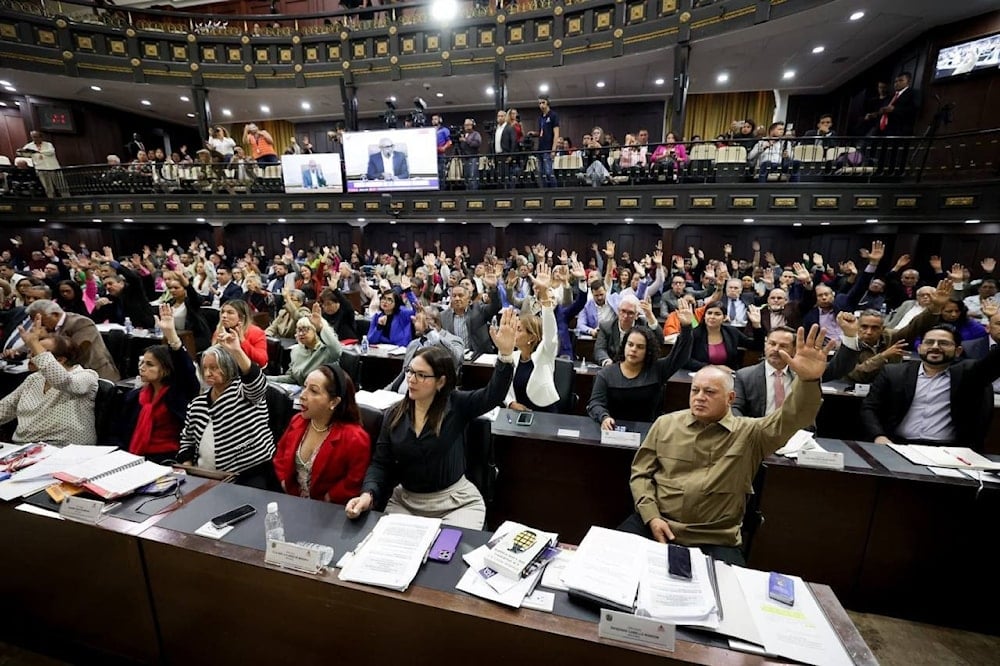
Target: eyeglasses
{"points": [[627, 313], [420, 376], [944, 344]]}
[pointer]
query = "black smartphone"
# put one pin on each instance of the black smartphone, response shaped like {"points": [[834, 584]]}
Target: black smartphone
{"points": [[525, 418], [232, 517], [678, 561]]}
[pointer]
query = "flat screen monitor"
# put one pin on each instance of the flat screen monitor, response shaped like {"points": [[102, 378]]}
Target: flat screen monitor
{"points": [[318, 173], [971, 56], [391, 159]]}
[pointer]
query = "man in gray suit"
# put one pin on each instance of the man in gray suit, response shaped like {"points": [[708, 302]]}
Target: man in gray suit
{"points": [[91, 352], [471, 322], [610, 334], [758, 391], [427, 332]]}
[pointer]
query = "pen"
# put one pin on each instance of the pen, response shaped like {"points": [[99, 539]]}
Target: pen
{"points": [[963, 461]]}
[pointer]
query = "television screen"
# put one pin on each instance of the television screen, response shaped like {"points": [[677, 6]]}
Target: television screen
{"points": [[318, 173], [971, 56], [391, 159]]}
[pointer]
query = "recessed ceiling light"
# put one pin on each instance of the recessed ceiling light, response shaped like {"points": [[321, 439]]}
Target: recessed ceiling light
{"points": [[489, 90], [444, 10], [190, 115], [227, 113], [972, 221], [264, 108], [17, 102], [748, 220], [96, 220], [723, 77], [543, 88], [145, 102], [41, 219], [789, 74], [629, 220], [871, 220], [824, 224], [857, 16], [361, 219], [392, 221], [281, 219], [392, 98], [126, 219], [4, 83], [10, 88], [659, 82], [796, 224], [96, 88], [527, 219], [600, 84], [439, 94], [306, 106], [440, 219], [465, 222], [3, 103], [199, 219], [818, 49], [185, 98]]}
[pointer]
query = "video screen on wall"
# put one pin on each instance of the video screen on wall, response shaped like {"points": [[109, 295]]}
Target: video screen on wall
{"points": [[391, 159], [971, 56], [318, 173]]}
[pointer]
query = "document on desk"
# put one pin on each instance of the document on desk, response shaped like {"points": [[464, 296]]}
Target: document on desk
{"points": [[676, 600], [959, 457], [801, 632], [380, 399], [39, 476], [392, 554], [511, 594], [607, 567], [486, 359]]}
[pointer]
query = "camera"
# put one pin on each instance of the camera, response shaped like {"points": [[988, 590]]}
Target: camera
{"points": [[456, 133], [389, 117], [418, 118]]}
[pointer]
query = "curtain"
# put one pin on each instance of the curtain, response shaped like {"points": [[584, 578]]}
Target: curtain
{"points": [[712, 114]]}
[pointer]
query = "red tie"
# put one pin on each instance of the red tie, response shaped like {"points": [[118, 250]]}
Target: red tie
{"points": [[779, 388], [884, 120]]}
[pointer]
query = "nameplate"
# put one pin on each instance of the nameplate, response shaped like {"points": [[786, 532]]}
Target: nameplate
{"points": [[292, 556], [81, 510], [640, 630], [566, 432], [822, 459], [619, 438], [861, 390]]}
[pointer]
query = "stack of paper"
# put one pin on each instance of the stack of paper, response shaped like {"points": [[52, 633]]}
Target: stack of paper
{"points": [[482, 581], [392, 553], [380, 399], [676, 600], [607, 567], [32, 479], [958, 457]]}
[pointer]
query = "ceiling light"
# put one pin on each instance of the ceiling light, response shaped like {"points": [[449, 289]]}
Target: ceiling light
{"points": [[10, 88], [227, 113], [972, 221], [264, 108], [41, 219], [199, 219], [439, 94], [281, 219], [3, 103], [306, 106], [392, 221], [659, 82], [489, 90], [543, 88], [748, 220], [440, 219], [722, 78], [857, 16], [465, 222], [600, 84], [127, 219], [361, 219], [818, 49], [190, 115], [871, 220], [824, 224], [145, 102], [185, 98], [796, 224], [629, 220], [17, 102], [96, 88], [392, 97], [527, 219], [444, 10], [789, 74], [96, 220], [4, 83]]}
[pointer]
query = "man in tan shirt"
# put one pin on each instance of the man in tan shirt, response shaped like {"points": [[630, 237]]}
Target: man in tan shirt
{"points": [[692, 474]]}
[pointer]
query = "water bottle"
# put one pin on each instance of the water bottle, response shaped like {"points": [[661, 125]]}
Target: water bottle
{"points": [[274, 529], [882, 308], [364, 345], [157, 331], [128, 326], [326, 555]]}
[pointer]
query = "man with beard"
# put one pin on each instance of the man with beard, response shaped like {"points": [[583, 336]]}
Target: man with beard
{"points": [[938, 401]]}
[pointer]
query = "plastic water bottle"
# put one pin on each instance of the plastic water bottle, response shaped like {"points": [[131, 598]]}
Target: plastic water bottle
{"points": [[157, 331], [364, 345], [274, 528], [128, 326], [882, 308], [326, 551]]}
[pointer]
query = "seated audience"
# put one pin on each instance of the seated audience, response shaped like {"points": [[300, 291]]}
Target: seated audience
{"points": [[339, 313], [823, 134], [316, 344], [955, 313], [610, 335], [393, 324], [226, 426], [91, 352], [324, 452], [419, 462], [715, 344], [185, 304], [69, 296], [289, 315], [689, 455], [670, 156], [55, 403], [153, 414], [234, 317], [533, 387], [773, 154], [427, 332], [126, 298], [470, 322], [909, 309], [632, 390]]}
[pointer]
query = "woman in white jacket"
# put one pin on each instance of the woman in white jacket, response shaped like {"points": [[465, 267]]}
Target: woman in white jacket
{"points": [[537, 341]]}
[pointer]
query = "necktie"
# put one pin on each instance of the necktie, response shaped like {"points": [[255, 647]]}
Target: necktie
{"points": [[884, 120], [423, 340], [779, 389], [732, 310]]}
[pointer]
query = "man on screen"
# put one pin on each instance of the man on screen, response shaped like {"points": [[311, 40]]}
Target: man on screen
{"points": [[312, 176], [387, 164]]}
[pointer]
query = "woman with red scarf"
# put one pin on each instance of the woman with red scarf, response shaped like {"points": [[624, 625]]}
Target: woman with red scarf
{"points": [[154, 413]]}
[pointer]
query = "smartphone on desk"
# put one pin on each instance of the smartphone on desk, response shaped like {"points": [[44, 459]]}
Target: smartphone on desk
{"points": [[446, 545], [781, 589], [232, 517], [525, 418], [678, 561]]}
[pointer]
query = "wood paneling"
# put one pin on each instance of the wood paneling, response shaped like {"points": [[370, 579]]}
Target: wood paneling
{"points": [[13, 133]]}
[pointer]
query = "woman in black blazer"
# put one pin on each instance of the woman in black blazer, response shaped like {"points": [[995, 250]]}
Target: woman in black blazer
{"points": [[715, 344]]}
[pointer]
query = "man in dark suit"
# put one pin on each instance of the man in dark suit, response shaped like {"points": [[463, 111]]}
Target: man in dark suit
{"points": [[610, 334], [757, 390], [897, 118], [504, 146], [829, 304], [312, 176], [91, 352], [126, 298], [938, 401], [823, 134], [980, 347], [135, 146], [387, 164], [471, 322], [228, 290]]}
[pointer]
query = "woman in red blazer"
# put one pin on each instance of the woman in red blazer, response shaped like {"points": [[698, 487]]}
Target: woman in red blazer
{"points": [[235, 316], [325, 451]]}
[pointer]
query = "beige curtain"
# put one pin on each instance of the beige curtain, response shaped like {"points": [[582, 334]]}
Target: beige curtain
{"points": [[712, 114]]}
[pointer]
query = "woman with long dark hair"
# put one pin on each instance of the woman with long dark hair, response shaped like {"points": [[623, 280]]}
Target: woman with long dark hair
{"points": [[234, 316], [393, 324], [69, 296]]}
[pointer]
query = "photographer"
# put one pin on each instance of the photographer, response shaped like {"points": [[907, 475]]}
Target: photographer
{"points": [[469, 141]]}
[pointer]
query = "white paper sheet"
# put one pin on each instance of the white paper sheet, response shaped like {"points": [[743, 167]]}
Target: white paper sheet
{"points": [[607, 565], [675, 600], [394, 553], [474, 584]]}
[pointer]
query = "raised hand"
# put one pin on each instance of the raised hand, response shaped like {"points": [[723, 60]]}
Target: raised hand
{"points": [[609, 249], [770, 258], [727, 249], [658, 257], [988, 264], [896, 352], [755, 245], [848, 324], [316, 317], [877, 252], [685, 315], [542, 279], [404, 282], [753, 315], [679, 263], [809, 361], [957, 273], [990, 308], [817, 259], [503, 335], [942, 295], [904, 261], [165, 321], [935, 263], [850, 268]]}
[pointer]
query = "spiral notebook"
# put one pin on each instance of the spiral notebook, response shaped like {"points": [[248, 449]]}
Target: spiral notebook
{"points": [[116, 474]]}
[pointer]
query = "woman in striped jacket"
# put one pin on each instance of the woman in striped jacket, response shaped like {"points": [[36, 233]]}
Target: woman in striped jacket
{"points": [[226, 427]]}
